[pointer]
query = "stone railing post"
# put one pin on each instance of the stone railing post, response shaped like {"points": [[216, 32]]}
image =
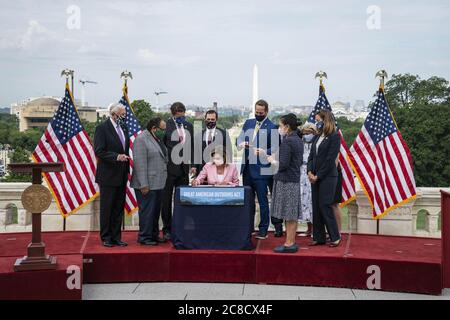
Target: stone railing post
{"points": [[352, 208], [445, 205], [428, 199], [365, 222], [95, 215], [23, 217], [3, 218], [399, 221]]}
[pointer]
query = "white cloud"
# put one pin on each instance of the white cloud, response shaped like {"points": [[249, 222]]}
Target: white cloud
{"points": [[34, 36], [149, 57]]}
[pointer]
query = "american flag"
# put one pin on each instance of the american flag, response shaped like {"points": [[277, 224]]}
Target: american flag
{"points": [[348, 182], [382, 160], [133, 128], [66, 141]]}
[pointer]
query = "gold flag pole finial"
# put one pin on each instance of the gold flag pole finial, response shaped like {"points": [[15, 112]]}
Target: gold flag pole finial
{"points": [[382, 74], [125, 75], [321, 75], [67, 73]]}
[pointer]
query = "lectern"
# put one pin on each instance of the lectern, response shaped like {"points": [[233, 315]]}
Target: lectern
{"points": [[36, 199]]}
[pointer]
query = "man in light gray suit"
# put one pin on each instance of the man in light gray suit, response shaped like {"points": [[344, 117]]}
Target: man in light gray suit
{"points": [[149, 178]]}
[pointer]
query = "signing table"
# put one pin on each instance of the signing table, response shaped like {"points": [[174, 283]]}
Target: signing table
{"points": [[218, 218]]}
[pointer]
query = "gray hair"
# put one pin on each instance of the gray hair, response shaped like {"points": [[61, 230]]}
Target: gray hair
{"points": [[308, 125], [114, 107]]}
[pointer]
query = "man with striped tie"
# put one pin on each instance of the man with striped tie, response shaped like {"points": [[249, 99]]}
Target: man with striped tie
{"points": [[111, 146]]}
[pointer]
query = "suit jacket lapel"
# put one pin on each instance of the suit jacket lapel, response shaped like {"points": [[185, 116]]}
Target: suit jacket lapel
{"points": [[156, 144], [176, 128], [324, 141]]}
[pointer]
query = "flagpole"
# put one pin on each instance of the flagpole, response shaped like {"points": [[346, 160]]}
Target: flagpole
{"points": [[125, 75], [382, 74], [67, 73]]}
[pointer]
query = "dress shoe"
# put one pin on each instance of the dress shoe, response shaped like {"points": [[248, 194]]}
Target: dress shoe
{"points": [[108, 244], [161, 240], [120, 243], [278, 234], [315, 243], [167, 236], [148, 243], [278, 231], [286, 249]]}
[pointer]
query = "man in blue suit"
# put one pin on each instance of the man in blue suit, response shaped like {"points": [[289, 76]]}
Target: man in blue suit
{"points": [[256, 139]]}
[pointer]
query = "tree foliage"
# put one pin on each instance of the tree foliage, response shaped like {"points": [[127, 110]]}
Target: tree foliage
{"points": [[19, 155], [421, 109], [143, 111]]}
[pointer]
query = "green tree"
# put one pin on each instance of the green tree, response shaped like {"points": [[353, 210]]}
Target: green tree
{"points": [[143, 111], [421, 109], [90, 127], [28, 139], [228, 122], [349, 129], [407, 91], [400, 90], [9, 128], [19, 155]]}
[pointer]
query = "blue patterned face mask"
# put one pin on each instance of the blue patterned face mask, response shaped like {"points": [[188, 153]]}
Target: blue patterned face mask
{"points": [[308, 137], [319, 125], [180, 120]]}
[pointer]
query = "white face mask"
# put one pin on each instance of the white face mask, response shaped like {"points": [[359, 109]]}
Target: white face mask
{"points": [[281, 131], [308, 137], [218, 161]]}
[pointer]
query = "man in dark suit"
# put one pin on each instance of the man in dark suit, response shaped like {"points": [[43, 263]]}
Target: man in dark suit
{"points": [[179, 141], [256, 139], [211, 137], [111, 145]]}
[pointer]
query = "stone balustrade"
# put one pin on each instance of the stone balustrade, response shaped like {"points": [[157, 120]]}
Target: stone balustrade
{"points": [[400, 221]]}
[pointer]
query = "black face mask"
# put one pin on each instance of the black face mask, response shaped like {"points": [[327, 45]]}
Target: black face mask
{"points": [[210, 124], [120, 120], [259, 118]]}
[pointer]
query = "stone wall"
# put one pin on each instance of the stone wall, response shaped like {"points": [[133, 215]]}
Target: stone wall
{"points": [[400, 221]]}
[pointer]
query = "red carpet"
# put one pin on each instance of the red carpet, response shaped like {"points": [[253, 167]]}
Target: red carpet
{"points": [[407, 264]]}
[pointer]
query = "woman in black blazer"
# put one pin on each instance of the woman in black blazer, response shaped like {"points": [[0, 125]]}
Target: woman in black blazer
{"points": [[322, 173]]}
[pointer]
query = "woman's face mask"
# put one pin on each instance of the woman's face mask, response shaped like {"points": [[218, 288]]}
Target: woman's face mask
{"points": [[218, 161], [319, 124], [308, 137], [159, 133], [282, 130]]}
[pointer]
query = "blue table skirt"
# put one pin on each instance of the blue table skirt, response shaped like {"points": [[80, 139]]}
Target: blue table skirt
{"points": [[213, 227]]}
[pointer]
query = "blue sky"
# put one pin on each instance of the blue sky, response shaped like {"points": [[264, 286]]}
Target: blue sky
{"points": [[204, 51]]}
